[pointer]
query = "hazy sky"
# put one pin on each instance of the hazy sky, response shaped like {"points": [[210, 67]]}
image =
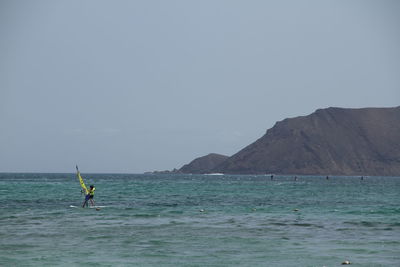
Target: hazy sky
{"points": [[134, 86]]}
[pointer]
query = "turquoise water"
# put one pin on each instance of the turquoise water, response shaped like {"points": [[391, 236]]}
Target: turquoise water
{"points": [[158, 220]]}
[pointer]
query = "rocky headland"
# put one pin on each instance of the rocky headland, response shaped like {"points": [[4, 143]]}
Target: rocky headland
{"points": [[335, 141]]}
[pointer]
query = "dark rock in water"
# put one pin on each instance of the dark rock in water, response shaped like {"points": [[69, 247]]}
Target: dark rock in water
{"points": [[335, 141], [174, 171], [203, 164]]}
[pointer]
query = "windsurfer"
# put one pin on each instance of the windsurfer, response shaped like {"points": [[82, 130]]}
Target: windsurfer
{"points": [[89, 196]]}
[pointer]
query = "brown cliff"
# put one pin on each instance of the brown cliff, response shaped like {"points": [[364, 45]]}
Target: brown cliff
{"points": [[336, 141]]}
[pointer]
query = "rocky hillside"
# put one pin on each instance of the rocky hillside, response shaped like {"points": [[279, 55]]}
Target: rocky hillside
{"points": [[336, 141], [204, 164]]}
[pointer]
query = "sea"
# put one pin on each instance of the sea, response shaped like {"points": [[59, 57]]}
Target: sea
{"points": [[199, 220]]}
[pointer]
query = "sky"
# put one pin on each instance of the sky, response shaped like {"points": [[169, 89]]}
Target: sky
{"points": [[134, 86]]}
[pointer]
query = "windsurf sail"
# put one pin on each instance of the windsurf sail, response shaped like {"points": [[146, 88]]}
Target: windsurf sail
{"points": [[81, 181]]}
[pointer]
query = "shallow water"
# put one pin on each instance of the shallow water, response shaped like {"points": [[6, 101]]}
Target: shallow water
{"points": [[199, 220]]}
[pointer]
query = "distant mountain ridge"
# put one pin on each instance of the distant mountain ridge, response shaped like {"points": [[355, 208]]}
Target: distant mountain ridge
{"points": [[337, 141]]}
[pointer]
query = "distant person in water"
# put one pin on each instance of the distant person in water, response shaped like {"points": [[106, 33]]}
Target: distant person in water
{"points": [[272, 177], [327, 177], [89, 196]]}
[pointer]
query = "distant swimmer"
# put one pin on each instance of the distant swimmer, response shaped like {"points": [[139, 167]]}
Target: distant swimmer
{"points": [[89, 196], [362, 177], [272, 177], [295, 178], [327, 177]]}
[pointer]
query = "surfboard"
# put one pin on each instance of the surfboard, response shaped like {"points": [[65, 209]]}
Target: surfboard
{"points": [[90, 207]]}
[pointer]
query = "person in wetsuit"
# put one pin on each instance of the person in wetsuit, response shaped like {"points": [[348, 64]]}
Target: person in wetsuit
{"points": [[89, 196]]}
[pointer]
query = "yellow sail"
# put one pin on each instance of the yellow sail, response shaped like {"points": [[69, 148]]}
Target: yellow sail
{"points": [[82, 183]]}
